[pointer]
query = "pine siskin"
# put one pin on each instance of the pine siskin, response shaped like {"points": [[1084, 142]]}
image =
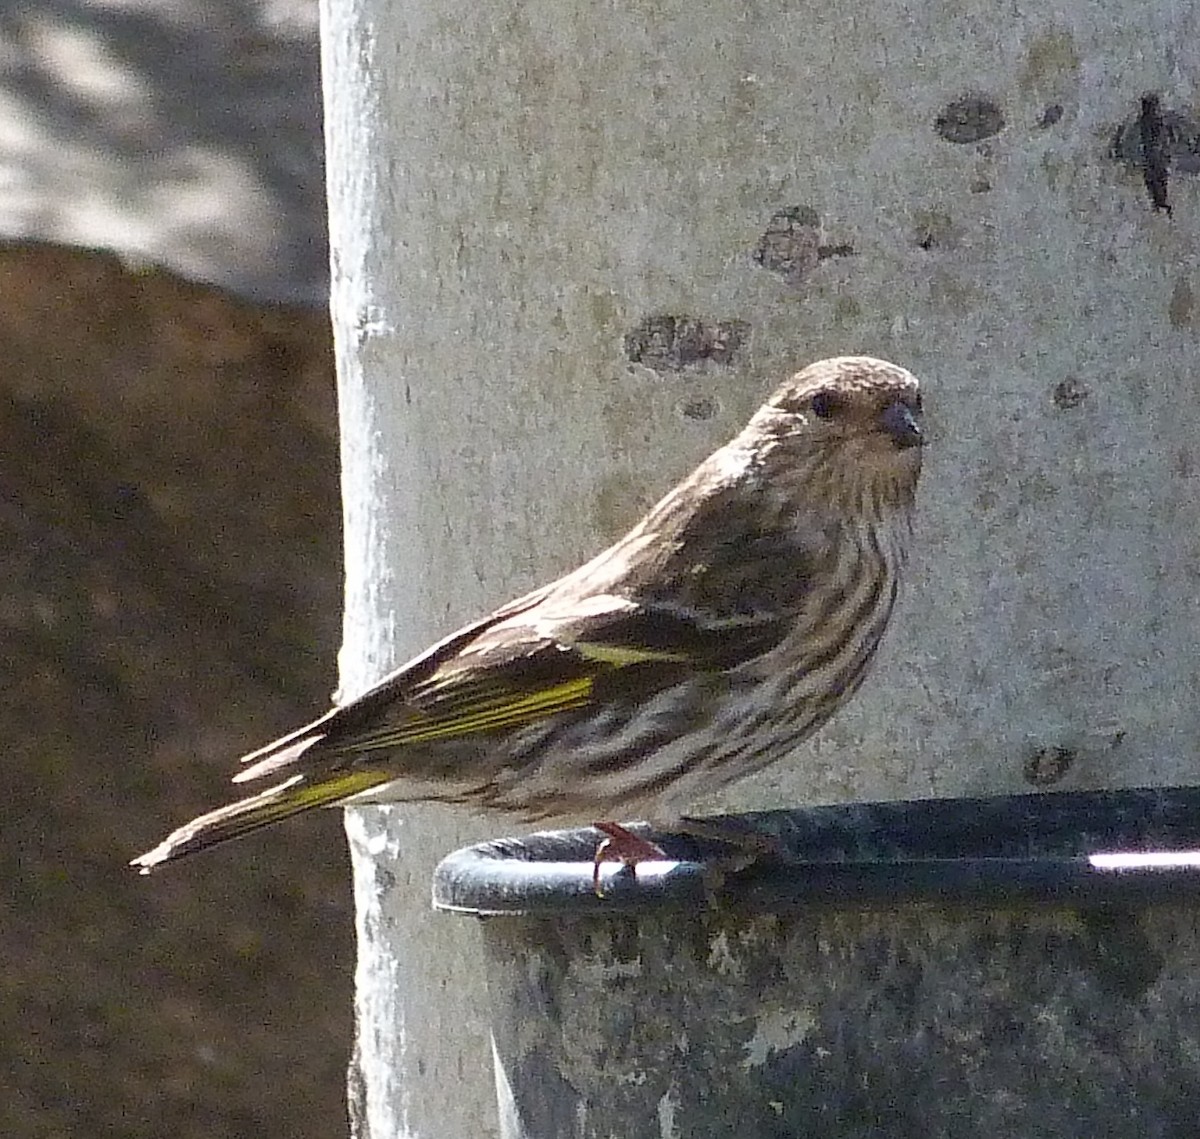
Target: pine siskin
{"points": [[724, 628]]}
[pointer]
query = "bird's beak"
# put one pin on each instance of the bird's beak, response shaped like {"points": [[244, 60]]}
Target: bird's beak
{"points": [[899, 421]]}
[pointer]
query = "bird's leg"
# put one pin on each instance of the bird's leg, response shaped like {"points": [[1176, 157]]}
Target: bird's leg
{"points": [[621, 845]]}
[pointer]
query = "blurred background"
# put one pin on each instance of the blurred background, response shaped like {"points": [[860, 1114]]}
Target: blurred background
{"points": [[170, 591]]}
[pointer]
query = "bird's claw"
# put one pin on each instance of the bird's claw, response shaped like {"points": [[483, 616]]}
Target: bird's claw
{"points": [[621, 845]]}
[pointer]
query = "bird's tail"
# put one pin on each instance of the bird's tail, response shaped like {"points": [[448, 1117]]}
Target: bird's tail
{"points": [[291, 797]]}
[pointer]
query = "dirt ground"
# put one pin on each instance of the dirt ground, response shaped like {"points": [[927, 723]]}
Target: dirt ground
{"points": [[170, 597]]}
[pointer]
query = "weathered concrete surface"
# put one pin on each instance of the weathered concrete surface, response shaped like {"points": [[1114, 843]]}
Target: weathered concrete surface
{"points": [[169, 596], [574, 246]]}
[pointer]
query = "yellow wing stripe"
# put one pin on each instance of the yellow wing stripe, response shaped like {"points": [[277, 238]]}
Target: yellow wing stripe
{"points": [[287, 798], [622, 655], [497, 713], [331, 790]]}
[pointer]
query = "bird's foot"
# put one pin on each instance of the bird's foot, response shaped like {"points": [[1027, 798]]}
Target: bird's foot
{"points": [[621, 845], [744, 847], [742, 841]]}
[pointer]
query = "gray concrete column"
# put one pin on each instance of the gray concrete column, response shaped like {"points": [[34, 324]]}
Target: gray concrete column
{"points": [[573, 246]]}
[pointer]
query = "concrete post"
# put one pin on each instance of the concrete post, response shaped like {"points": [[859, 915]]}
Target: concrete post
{"points": [[574, 244]]}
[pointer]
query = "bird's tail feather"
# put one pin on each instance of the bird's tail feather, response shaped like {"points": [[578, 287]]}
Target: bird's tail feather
{"points": [[275, 757], [290, 797]]}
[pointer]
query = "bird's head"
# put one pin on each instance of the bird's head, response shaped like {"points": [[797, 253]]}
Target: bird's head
{"points": [[852, 422]]}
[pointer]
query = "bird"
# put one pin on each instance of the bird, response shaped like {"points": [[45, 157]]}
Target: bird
{"points": [[724, 628]]}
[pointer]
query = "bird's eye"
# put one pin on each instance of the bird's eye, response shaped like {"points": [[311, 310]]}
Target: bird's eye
{"points": [[824, 405]]}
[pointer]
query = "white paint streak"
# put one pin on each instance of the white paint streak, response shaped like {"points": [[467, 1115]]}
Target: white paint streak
{"points": [[777, 1030], [506, 1102], [721, 958], [381, 1054], [595, 974], [667, 1106]]}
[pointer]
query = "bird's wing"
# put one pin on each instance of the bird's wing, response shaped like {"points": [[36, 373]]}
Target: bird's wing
{"points": [[509, 670], [390, 696], [503, 675], [703, 640], [718, 586], [513, 672], [723, 581], [713, 586]]}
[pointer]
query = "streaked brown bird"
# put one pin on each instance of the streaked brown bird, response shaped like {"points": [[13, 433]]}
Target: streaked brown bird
{"points": [[729, 624]]}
